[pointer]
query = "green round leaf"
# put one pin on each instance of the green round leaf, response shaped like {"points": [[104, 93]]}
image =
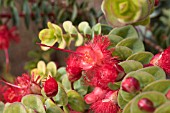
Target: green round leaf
{"points": [[143, 57], [125, 32], [130, 65], [114, 39], [66, 83], [160, 85], [76, 101], [122, 52], [97, 29], [155, 71], [34, 102], [164, 108], [80, 86], [156, 97], [126, 109], [144, 78], [51, 107], [61, 97], [121, 102], [51, 68], [126, 96], [133, 43], [84, 28], [1, 107], [41, 66], [15, 108]]}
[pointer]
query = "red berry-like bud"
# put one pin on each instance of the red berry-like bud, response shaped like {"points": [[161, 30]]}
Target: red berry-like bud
{"points": [[130, 85], [146, 105], [51, 87], [168, 95], [156, 2]]}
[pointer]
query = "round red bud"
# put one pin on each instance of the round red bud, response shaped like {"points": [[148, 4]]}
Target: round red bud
{"points": [[130, 85], [146, 105], [51, 87]]}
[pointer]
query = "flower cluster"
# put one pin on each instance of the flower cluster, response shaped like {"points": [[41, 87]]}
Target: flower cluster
{"points": [[96, 61], [21, 87]]}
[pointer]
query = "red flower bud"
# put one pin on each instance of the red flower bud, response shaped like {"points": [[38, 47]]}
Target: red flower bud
{"points": [[146, 105], [156, 2], [51, 87], [130, 85], [95, 95], [168, 95]]}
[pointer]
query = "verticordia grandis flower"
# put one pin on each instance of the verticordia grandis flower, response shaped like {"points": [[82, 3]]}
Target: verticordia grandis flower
{"points": [[123, 12]]}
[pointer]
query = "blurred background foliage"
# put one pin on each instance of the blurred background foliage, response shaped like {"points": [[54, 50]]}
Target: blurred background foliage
{"points": [[30, 16]]}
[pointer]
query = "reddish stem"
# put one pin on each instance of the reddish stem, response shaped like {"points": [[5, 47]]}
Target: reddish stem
{"points": [[9, 84], [7, 59], [64, 50]]}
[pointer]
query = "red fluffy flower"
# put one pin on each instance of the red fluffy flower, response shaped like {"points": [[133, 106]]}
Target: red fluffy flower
{"points": [[100, 76], [88, 56], [73, 68], [16, 91], [106, 105], [21, 87], [51, 87], [162, 60], [94, 52]]}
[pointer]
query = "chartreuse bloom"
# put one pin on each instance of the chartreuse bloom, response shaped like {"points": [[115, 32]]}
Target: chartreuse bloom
{"points": [[124, 12]]}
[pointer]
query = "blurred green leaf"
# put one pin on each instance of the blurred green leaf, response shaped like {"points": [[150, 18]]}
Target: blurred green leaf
{"points": [[74, 13], [14, 108], [15, 15], [34, 102], [75, 101], [26, 11]]}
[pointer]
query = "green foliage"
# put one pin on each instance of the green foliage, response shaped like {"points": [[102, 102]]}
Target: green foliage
{"points": [[54, 34], [14, 108], [33, 102], [76, 101], [120, 13]]}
